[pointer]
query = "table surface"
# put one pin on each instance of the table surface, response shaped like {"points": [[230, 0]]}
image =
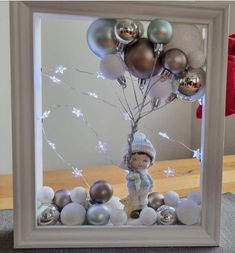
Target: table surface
{"points": [[185, 180]]}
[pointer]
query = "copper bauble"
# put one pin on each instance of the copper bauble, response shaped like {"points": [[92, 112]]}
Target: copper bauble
{"points": [[101, 191], [140, 57], [155, 200], [62, 198]]}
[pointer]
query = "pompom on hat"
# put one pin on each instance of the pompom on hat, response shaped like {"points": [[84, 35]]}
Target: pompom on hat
{"points": [[139, 144]]}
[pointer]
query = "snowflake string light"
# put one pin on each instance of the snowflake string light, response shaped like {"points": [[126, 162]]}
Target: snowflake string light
{"points": [[126, 116], [60, 69], [197, 154], [170, 172], [92, 94], [45, 114], [54, 79], [102, 147], [77, 112], [100, 75], [164, 135], [77, 173], [51, 144]]}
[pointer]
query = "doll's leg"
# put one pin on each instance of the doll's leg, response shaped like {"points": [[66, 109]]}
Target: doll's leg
{"points": [[134, 197], [143, 197]]}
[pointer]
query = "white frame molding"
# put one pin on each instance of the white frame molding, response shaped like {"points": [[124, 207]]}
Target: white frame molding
{"points": [[25, 23]]}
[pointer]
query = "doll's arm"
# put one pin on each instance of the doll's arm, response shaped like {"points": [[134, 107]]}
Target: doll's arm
{"points": [[132, 176]]}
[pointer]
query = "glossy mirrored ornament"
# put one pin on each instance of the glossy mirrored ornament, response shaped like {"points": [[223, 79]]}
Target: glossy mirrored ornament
{"points": [[101, 192], [191, 87], [126, 30], [49, 216], [166, 215], [98, 214], [155, 200], [174, 60], [100, 37], [140, 59]]}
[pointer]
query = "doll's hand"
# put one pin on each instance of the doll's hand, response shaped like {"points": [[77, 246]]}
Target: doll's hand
{"points": [[136, 176], [133, 176]]}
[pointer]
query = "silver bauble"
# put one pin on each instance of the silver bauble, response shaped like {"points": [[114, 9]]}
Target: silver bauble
{"points": [[174, 60], [126, 30], [166, 215], [191, 86], [155, 200], [100, 37], [98, 214], [160, 31], [62, 198], [49, 216]]}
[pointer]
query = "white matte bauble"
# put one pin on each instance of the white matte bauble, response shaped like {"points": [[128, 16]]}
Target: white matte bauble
{"points": [[188, 212], [78, 195], [73, 214], [148, 216], [196, 59], [118, 217], [112, 67], [171, 199], [196, 197], [186, 37], [161, 88], [45, 195], [114, 203]]}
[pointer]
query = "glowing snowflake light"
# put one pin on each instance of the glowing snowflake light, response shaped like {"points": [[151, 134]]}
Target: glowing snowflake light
{"points": [[77, 173], [100, 75], [51, 144], [55, 80], [102, 147], [77, 112], [197, 154], [170, 172], [60, 69], [164, 135], [92, 94], [45, 115]]}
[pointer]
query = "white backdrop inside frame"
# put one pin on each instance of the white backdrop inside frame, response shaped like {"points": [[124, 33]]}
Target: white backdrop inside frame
{"points": [[64, 43]]}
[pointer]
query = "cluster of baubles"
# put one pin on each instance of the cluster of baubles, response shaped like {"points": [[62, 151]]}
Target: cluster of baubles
{"points": [[100, 207], [169, 57]]}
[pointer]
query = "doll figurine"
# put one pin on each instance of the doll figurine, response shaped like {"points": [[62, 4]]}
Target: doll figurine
{"points": [[139, 182]]}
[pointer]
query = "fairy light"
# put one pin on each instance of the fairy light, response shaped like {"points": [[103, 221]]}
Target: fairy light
{"points": [[100, 75], [77, 112], [55, 80], [102, 147], [197, 154], [51, 144], [60, 69], [164, 135], [169, 172], [77, 173], [92, 94], [46, 114]]}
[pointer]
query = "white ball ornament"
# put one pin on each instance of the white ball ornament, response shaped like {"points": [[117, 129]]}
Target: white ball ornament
{"points": [[196, 197], [78, 195], [148, 216], [196, 59], [112, 67], [114, 203], [188, 212], [73, 214], [118, 217], [45, 195], [171, 199]]}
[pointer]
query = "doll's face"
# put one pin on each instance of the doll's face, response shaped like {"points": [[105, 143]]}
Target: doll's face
{"points": [[140, 161]]}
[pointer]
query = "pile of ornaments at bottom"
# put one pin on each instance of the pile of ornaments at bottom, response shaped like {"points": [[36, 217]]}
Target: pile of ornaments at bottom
{"points": [[100, 207]]}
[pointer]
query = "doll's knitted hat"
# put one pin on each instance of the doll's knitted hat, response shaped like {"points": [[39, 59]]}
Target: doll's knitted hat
{"points": [[141, 144]]}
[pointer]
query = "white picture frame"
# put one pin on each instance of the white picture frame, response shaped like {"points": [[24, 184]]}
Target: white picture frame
{"points": [[25, 36]]}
